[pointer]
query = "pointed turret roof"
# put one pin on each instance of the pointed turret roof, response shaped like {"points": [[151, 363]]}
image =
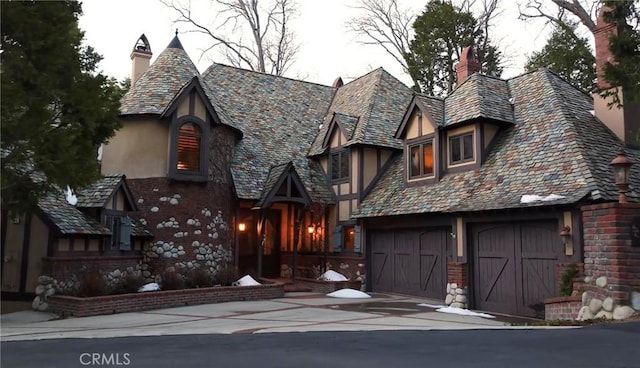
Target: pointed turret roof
{"points": [[159, 84]]}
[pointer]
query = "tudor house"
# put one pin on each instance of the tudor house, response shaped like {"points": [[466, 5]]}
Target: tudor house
{"points": [[284, 178], [462, 199]]}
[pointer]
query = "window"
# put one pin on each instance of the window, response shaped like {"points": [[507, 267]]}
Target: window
{"points": [[189, 141], [340, 165], [349, 234], [421, 163], [461, 149], [120, 232]]}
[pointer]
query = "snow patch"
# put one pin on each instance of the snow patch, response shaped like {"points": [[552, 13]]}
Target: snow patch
{"points": [[152, 286], [246, 281], [71, 198], [431, 305], [463, 312], [332, 275], [349, 294], [531, 198]]}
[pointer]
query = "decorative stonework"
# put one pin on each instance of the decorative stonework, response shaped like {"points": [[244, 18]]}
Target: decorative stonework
{"points": [[606, 308], [456, 296], [46, 288]]}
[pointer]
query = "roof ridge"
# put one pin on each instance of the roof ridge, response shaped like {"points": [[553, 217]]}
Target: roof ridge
{"points": [[364, 120], [265, 74]]}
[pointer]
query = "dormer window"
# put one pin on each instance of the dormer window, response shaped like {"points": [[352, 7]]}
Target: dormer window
{"points": [[189, 147], [421, 160], [461, 149], [340, 165]]}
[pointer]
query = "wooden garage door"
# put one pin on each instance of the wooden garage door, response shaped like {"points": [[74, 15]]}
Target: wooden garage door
{"points": [[514, 266], [410, 262]]}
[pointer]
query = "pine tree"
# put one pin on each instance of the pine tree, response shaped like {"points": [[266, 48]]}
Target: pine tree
{"points": [[568, 55], [55, 109], [441, 32]]}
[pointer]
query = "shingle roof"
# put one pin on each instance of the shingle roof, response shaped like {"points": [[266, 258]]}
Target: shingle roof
{"points": [[279, 118], [434, 106], [96, 194], [379, 100], [479, 96], [555, 147], [157, 86], [68, 219], [348, 123]]}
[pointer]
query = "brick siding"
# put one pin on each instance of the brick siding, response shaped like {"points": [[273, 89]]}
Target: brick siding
{"points": [[608, 251], [83, 307], [562, 308]]}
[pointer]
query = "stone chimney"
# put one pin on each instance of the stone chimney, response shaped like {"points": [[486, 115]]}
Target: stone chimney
{"points": [[467, 65], [619, 119], [140, 58]]}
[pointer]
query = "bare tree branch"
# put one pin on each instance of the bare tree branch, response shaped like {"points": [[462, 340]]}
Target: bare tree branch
{"points": [[537, 9], [384, 23], [269, 49]]}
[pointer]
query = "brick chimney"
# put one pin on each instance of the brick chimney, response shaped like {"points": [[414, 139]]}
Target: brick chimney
{"points": [[337, 83], [467, 65], [620, 120], [140, 58]]}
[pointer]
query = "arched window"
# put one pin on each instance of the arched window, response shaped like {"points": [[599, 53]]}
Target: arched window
{"points": [[189, 147]]}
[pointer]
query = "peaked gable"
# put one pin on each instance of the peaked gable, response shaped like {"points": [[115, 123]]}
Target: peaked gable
{"points": [[284, 185], [417, 105], [100, 193]]}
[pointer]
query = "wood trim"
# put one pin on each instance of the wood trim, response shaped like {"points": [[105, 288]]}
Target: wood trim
{"points": [[360, 169], [3, 239], [379, 174], [415, 104], [192, 102], [26, 242]]}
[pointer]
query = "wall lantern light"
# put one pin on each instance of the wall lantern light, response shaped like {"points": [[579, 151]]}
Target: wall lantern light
{"points": [[565, 234], [242, 226], [310, 229], [621, 168]]}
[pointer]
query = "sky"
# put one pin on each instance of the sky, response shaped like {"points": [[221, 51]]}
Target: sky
{"points": [[327, 49]]}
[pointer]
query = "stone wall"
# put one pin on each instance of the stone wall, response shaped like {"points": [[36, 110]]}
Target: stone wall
{"points": [[192, 224], [457, 285], [611, 264]]}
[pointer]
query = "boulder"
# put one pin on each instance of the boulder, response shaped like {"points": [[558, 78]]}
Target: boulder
{"points": [[604, 314], [635, 300], [584, 314], [601, 281], [595, 305], [607, 304], [622, 312], [448, 300]]}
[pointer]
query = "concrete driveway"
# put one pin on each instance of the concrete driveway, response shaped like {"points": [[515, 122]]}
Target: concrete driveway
{"points": [[297, 312]]}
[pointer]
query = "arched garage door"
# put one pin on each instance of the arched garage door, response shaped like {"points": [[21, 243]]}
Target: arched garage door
{"points": [[514, 266], [411, 262]]}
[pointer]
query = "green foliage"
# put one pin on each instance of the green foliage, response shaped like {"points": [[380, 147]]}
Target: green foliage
{"points": [[198, 277], [129, 282], [568, 55], [92, 282], [56, 109], [625, 49], [441, 32], [566, 283], [226, 276], [170, 279]]}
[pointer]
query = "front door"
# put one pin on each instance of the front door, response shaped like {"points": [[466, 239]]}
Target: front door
{"points": [[271, 246]]}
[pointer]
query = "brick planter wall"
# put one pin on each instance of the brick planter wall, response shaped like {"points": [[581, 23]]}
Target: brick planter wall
{"points": [[561, 268], [83, 307], [562, 308], [308, 264]]}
